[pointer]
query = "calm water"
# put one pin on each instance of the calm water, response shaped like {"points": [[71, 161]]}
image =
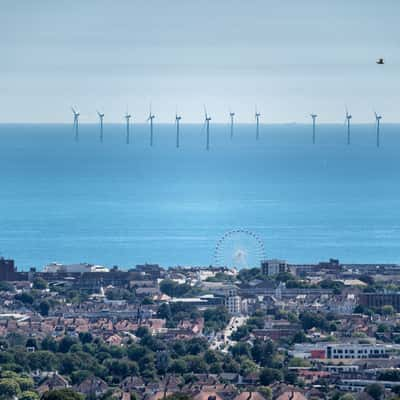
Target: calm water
{"points": [[112, 203]]}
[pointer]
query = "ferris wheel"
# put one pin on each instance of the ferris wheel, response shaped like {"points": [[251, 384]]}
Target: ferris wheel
{"points": [[239, 248]]}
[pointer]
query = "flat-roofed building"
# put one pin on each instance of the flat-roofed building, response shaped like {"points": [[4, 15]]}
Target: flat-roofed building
{"points": [[273, 267]]}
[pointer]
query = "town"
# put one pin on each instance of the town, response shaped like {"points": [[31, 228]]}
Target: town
{"points": [[277, 331]]}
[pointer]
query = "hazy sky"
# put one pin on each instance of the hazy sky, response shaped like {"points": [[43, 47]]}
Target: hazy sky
{"points": [[290, 57]]}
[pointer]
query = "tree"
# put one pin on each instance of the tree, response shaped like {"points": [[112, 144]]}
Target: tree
{"points": [[196, 364], [39, 284], [178, 366], [9, 388], [375, 390], [25, 383], [85, 337], [6, 287], [174, 289], [299, 337], [79, 376], [312, 320], [392, 375], [48, 343], [62, 394], [43, 360], [66, 343], [216, 319], [266, 392], [29, 395], [142, 331], [388, 310], [269, 376], [44, 308], [347, 396], [24, 297]]}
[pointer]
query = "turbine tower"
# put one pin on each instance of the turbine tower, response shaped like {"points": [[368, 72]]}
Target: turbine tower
{"points": [[232, 116], [127, 117], [101, 117], [257, 117], [76, 123], [177, 121], [378, 126], [347, 121], [150, 119], [207, 120], [314, 117]]}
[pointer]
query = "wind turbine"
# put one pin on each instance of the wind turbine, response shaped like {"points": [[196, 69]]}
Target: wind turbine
{"points": [[150, 119], [232, 116], [314, 117], [177, 121], [127, 117], [347, 121], [257, 117], [76, 123], [207, 120], [101, 117], [378, 125]]}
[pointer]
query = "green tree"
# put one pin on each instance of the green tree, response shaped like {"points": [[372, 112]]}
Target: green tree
{"points": [[142, 331], [85, 337], [43, 360], [6, 287], [25, 383], [216, 319], [388, 310], [347, 396], [28, 395], [44, 308], [375, 390], [178, 367], [269, 376], [66, 343], [9, 388], [266, 392], [62, 394], [24, 297], [39, 284]]}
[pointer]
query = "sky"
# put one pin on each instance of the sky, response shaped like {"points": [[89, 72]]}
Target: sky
{"points": [[288, 57]]}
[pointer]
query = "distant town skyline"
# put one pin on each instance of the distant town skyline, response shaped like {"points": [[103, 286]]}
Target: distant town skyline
{"points": [[289, 58]]}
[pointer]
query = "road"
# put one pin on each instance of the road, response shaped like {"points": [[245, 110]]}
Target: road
{"points": [[222, 340]]}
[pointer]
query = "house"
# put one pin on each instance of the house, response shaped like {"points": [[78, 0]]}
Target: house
{"points": [[250, 396], [53, 381], [92, 386], [291, 395], [132, 383], [207, 395]]}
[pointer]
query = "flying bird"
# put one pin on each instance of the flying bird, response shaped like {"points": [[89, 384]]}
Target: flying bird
{"points": [[380, 61]]}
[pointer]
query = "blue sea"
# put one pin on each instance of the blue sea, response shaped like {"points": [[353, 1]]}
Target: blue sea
{"points": [[116, 204]]}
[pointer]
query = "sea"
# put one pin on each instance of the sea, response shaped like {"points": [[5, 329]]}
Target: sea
{"points": [[114, 203]]}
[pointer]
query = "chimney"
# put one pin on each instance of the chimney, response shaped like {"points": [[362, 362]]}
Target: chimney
{"points": [[249, 396], [291, 397]]}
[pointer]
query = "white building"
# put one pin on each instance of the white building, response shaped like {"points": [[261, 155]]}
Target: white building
{"points": [[233, 304], [74, 268], [346, 351]]}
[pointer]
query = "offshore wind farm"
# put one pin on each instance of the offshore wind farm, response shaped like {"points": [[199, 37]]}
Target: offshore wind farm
{"points": [[207, 125]]}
